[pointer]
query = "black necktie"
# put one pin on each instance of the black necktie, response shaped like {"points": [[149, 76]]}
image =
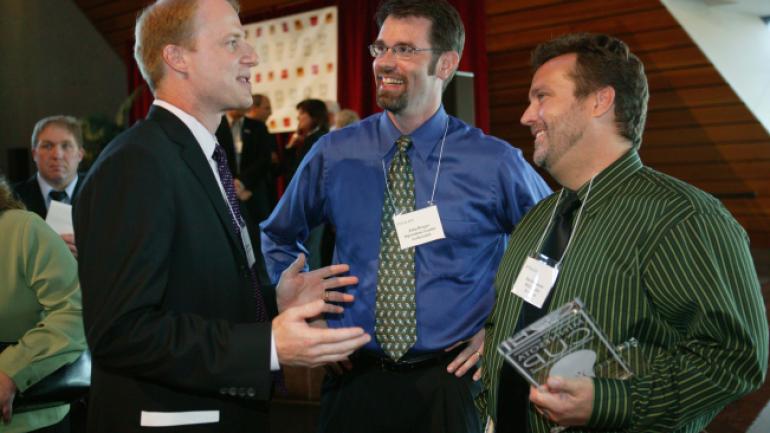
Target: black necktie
{"points": [[513, 391], [57, 195]]}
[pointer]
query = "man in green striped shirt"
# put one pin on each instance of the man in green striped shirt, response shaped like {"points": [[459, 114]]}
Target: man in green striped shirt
{"points": [[651, 257]]}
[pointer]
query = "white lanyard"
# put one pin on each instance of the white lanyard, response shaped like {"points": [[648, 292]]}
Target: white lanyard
{"points": [[431, 202]]}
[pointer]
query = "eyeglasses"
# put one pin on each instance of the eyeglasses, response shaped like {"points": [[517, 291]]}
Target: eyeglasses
{"points": [[401, 51]]}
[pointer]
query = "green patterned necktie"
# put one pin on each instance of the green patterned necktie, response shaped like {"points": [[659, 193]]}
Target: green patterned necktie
{"points": [[396, 323]]}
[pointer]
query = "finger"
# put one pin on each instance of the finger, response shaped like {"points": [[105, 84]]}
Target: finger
{"points": [[296, 266], [333, 283], [560, 384], [332, 309], [335, 296], [477, 375], [326, 339], [340, 350], [332, 270], [308, 310], [464, 360]]}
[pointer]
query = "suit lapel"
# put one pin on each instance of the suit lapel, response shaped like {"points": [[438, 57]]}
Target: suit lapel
{"points": [[193, 156]]}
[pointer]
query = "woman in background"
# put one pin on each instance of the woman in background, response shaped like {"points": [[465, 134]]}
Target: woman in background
{"points": [[312, 123], [40, 313]]}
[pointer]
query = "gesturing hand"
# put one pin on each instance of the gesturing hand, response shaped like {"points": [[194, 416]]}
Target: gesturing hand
{"points": [[299, 344], [7, 394], [296, 288]]}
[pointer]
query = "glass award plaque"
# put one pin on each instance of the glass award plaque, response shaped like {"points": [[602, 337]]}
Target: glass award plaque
{"points": [[567, 343]]}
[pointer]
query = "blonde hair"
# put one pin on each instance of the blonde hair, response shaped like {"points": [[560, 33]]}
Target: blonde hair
{"points": [[165, 22]]}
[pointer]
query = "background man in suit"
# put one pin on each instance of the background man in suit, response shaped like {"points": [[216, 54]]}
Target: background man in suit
{"points": [[258, 160], [57, 149], [176, 323]]}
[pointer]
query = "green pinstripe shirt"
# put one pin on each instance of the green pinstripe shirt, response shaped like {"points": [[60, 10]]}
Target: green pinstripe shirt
{"points": [[659, 260]]}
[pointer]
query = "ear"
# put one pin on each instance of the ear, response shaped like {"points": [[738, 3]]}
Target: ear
{"points": [[174, 58], [81, 153], [447, 64], [604, 101]]}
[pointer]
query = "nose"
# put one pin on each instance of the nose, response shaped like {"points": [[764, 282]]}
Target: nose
{"points": [[529, 117], [57, 151], [387, 60], [250, 57]]}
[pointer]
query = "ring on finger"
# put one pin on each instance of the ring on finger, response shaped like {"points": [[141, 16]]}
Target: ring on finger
{"points": [[326, 296]]}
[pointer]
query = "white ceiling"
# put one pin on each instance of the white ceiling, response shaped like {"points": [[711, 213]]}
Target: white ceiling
{"points": [[759, 8]]}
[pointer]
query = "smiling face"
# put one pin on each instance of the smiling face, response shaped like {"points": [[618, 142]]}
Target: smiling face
{"points": [[57, 155], [405, 86], [220, 62], [556, 118]]}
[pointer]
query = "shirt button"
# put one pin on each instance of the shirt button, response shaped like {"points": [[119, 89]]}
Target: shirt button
{"points": [[232, 391]]}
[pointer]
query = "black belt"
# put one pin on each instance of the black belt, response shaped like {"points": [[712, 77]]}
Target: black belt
{"points": [[368, 359]]}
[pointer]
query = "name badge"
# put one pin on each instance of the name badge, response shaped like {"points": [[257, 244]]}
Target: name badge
{"points": [[246, 239], [535, 281], [418, 227]]}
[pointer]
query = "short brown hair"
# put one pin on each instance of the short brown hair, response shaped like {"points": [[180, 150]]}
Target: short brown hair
{"points": [[603, 60], [69, 123], [7, 200], [447, 32], [162, 23]]}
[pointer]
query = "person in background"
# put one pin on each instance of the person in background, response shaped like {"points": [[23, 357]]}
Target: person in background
{"points": [[40, 313], [332, 108], [345, 118], [312, 124], [427, 302], [651, 257], [57, 149]]}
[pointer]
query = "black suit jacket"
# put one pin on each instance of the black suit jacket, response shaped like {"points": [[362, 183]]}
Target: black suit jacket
{"points": [[30, 194], [168, 307]]}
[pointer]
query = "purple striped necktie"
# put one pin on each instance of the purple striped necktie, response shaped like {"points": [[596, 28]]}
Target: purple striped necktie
{"points": [[236, 219]]}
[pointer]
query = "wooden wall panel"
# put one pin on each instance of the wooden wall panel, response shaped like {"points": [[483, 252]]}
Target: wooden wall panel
{"points": [[697, 128]]}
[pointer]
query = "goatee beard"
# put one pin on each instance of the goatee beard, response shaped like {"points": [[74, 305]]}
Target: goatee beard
{"points": [[394, 104]]}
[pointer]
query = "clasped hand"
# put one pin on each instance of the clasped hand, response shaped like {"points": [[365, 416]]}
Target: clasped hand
{"points": [[565, 401]]}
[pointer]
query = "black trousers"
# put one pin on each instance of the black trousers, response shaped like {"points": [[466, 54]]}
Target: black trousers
{"points": [[370, 399]]}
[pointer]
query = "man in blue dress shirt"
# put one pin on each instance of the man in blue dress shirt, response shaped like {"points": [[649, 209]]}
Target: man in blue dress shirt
{"points": [[480, 186]]}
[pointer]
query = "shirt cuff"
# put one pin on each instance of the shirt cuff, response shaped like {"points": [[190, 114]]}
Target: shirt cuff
{"points": [[274, 364], [612, 404]]}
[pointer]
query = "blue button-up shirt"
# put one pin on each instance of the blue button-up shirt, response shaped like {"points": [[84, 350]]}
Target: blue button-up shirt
{"points": [[484, 187]]}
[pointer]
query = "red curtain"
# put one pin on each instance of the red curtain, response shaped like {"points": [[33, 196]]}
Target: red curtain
{"points": [[357, 29]]}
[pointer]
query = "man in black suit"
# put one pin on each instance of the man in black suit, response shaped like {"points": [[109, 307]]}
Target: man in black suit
{"points": [[177, 327], [57, 149], [258, 166]]}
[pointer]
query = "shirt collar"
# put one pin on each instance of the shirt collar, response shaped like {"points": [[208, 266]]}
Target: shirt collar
{"points": [[424, 139], [611, 178], [206, 140], [46, 188]]}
